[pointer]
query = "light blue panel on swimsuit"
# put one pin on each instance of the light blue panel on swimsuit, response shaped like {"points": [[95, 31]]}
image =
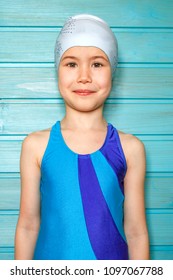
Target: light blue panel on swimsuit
{"points": [[63, 233], [110, 188]]}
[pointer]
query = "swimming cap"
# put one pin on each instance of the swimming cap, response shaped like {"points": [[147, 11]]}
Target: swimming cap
{"points": [[87, 30]]}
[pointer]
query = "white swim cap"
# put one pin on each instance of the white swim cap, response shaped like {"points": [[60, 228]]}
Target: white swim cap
{"points": [[87, 30]]}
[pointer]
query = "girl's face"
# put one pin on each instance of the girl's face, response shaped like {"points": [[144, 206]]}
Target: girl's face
{"points": [[84, 78]]}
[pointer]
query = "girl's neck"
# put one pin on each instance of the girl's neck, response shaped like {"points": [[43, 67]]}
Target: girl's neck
{"points": [[83, 120]]}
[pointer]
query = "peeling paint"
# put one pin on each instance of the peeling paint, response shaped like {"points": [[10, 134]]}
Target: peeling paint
{"points": [[1, 125], [4, 111], [1, 117], [48, 87]]}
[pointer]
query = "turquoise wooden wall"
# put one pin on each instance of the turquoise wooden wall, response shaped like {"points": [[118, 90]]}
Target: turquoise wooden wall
{"points": [[141, 101]]}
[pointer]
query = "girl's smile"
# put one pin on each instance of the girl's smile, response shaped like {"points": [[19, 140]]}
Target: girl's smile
{"points": [[83, 92]]}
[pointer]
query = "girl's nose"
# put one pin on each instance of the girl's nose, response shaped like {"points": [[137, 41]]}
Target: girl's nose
{"points": [[84, 75]]}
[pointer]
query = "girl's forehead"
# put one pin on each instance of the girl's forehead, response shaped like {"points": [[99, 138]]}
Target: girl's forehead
{"points": [[78, 51]]}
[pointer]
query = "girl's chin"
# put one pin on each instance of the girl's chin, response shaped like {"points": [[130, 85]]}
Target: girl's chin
{"points": [[85, 108]]}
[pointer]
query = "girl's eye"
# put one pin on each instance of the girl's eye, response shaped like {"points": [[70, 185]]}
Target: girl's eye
{"points": [[97, 64], [71, 64]]}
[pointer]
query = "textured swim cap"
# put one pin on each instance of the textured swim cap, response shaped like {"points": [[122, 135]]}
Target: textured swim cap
{"points": [[87, 30]]}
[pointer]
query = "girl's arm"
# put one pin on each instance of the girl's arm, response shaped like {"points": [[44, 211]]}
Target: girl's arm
{"points": [[134, 206], [29, 217]]}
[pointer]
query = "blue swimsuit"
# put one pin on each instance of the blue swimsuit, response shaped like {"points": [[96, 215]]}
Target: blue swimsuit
{"points": [[82, 200]]}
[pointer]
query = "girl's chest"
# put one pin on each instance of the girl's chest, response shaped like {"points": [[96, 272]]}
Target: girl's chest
{"points": [[84, 142]]}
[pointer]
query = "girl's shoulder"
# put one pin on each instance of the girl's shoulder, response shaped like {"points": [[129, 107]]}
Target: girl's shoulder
{"points": [[129, 139], [37, 137], [132, 145], [36, 143]]}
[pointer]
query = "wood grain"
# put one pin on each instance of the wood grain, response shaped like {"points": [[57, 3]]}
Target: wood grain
{"points": [[157, 223], [117, 13], [156, 196], [129, 83], [141, 101], [135, 46]]}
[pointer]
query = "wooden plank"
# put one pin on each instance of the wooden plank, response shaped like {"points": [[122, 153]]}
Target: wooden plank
{"points": [[159, 156], [9, 192], [10, 156], [158, 191], [6, 256], [154, 255], [145, 117], [119, 13], [8, 224], [137, 117], [159, 226], [128, 83], [135, 46], [164, 254]]}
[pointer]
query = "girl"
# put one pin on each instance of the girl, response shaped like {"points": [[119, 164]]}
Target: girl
{"points": [[82, 180]]}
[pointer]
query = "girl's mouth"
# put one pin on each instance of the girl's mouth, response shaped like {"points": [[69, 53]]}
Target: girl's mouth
{"points": [[83, 92]]}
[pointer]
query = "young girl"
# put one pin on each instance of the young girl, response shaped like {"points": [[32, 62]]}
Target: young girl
{"points": [[82, 180]]}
